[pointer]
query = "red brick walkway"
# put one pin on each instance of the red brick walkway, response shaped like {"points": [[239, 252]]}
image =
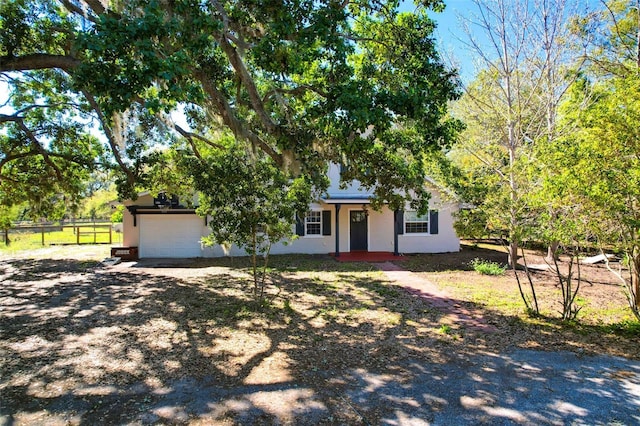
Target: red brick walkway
{"points": [[366, 256], [438, 298]]}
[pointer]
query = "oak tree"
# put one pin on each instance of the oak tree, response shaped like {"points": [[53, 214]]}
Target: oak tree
{"points": [[303, 83]]}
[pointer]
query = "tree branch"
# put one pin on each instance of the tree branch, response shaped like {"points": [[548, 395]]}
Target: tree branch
{"points": [[617, 28], [39, 148], [73, 8], [38, 61], [191, 136], [10, 157], [230, 120], [295, 91], [96, 6], [238, 65], [131, 178]]}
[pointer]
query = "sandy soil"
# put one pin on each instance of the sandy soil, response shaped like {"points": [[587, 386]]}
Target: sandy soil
{"points": [[81, 343]]}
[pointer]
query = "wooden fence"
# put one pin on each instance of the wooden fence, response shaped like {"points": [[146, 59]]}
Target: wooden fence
{"points": [[77, 233]]}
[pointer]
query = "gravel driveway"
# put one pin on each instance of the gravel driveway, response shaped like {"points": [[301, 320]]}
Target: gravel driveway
{"points": [[523, 387], [73, 350]]}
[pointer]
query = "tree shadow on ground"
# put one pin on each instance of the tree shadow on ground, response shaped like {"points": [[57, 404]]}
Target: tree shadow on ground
{"points": [[89, 345]]}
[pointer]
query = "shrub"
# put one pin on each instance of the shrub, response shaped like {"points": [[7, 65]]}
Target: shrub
{"points": [[485, 267], [116, 216]]}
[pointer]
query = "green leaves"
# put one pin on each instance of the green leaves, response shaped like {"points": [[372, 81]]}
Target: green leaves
{"points": [[250, 201], [303, 83], [297, 79]]}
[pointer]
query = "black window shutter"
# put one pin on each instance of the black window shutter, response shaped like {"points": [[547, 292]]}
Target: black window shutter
{"points": [[326, 222], [400, 222], [433, 222], [299, 226]]}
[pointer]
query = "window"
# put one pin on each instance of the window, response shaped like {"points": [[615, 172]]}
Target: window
{"points": [[313, 223], [414, 224]]}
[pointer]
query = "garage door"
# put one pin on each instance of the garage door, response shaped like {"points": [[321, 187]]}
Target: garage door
{"points": [[170, 235]]}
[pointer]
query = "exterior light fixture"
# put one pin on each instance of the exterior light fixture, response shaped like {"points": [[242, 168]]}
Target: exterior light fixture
{"points": [[162, 202]]}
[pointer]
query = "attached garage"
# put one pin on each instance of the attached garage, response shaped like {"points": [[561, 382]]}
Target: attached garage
{"points": [[170, 235]]}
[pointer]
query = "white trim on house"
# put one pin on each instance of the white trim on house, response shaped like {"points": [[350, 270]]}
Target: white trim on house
{"points": [[381, 226], [347, 200]]}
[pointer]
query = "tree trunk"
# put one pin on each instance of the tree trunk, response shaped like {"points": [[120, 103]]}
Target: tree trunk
{"points": [[634, 287], [254, 261], [638, 36], [513, 255], [552, 251]]}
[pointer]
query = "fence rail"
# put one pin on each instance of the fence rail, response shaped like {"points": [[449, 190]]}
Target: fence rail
{"points": [[77, 233]]}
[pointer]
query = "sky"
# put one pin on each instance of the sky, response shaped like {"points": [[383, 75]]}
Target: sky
{"points": [[450, 35], [449, 32]]}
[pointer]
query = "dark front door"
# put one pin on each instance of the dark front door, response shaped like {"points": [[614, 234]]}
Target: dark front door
{"points": [[358, 230]]}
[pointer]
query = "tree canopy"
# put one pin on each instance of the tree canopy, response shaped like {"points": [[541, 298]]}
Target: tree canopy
{"points": [[300, 82]]}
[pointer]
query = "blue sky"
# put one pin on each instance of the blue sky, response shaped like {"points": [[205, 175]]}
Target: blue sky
{"points": [[449, 32]]}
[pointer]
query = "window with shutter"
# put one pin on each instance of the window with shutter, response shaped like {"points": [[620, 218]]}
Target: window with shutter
{"points": [[313, 223], [415, 224]]}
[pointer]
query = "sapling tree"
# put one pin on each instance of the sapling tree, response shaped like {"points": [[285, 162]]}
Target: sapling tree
{"points": [[608, 169], [249, 202], [8, 215], [607, 112], [564, 218]]}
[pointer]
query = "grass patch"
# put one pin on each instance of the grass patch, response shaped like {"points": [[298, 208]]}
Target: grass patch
{"points": [[383, 290], [486, 267], [484, 294], [22, 241], [445, 329], [628, 328]]}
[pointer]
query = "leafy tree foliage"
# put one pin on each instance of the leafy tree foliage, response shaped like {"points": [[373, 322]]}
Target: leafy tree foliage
{"points": [[97, 205], [42, 151], [512, 103], [8, 215], [610, 36], [601, 172], [303, 83], [587, 190], [249, 201], [46, 150]]}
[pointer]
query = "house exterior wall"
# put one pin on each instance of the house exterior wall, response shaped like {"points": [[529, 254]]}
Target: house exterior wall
{"points": [[130, 233], [380, 232], [350, 191], [310, 244], [445, 241]]}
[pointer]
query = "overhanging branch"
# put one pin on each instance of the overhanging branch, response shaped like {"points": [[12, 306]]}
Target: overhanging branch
{"points": [[230, 120], [38, 61]]}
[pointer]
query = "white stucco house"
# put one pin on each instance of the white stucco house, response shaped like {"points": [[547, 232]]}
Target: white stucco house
{"points": [[338, 223]]}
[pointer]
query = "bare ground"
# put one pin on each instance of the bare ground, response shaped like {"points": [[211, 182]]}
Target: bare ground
{"points": [[81, 343]]}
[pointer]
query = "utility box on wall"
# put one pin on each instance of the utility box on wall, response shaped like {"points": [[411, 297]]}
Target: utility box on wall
{"points": [[125, 253]]}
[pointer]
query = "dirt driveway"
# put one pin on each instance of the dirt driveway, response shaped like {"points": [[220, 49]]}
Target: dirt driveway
{"points": [[174, 344]]}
